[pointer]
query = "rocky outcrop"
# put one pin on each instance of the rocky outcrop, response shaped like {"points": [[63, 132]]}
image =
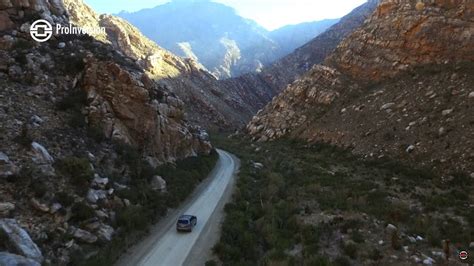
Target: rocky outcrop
{"points": [[286, 70], [20, 240], [407, 33], [136, 111], [76, 112], [16, 260], [392, 88], [207, 101]]}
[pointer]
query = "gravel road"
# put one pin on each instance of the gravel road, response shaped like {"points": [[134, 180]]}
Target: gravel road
{"points": [[166, 247]]}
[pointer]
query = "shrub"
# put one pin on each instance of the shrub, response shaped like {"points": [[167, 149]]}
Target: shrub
{"points": [[74, 100], [39, 188], [81, 212], [211, 263], [77, 169], [64, 198], [350, 249], [132, 218], [24, 137]]}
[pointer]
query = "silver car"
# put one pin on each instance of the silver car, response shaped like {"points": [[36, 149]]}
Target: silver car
{"points": [[186, 223]]}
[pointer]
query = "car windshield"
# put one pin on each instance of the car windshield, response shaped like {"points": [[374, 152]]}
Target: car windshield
{"points": [[183, 221]]}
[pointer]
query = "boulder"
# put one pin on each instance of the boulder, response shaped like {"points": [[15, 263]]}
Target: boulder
{"points": [[7, 168], [387, 106], [19, 239], [447, 112], [39, 206], [84, 236], [158, 183], [6, 208], [93, 196], [410, 149], [105, 233], [9, 259], [41, 155], [100, 182]]}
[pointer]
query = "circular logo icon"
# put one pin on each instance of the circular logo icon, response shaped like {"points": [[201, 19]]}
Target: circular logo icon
{"points": [[41, 30], [463, 255]]}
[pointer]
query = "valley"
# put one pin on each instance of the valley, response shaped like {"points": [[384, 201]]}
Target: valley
{"points": [[353, 137]]}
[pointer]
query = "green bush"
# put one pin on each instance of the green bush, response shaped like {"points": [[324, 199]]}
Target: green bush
{"points": [[64, 198], [24, 137], [77, 169], [81, 212]]}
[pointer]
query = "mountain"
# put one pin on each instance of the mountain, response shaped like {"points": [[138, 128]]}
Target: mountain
{"points": [[208, 102], [217, 37], [83, 130], [397, 87], [287, 69], [291, 37]]}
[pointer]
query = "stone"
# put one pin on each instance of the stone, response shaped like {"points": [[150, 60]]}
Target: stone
{"points": [[387, 106], [429, 261], [7, 168], [391, 228], [471, 95], [61, 45], [84, 236], [158, 183], [55, 207], [442, 131], [100, 182], [41, 155], [93, 196], [447, 112], [127, 202], [410, 149], [258, 165], [8, 259], [101, 214], [39, 206], [36, 120], [105, 233], [471, 245], [4, 158], [6, 208], [19, 239]]}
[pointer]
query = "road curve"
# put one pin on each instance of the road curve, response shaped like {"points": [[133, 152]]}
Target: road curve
{"points": [[165, 246]]}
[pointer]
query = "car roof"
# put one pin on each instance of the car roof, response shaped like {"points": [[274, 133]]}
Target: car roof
{"points": [[186, 216]]}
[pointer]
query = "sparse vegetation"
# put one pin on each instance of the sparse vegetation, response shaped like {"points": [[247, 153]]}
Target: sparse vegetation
{"points": [[149, 205], [77, 169], [309, 194]]}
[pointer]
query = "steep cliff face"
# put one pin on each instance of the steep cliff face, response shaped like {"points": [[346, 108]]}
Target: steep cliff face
{"points": [[407, 33], [396, 87], [208, 102]]}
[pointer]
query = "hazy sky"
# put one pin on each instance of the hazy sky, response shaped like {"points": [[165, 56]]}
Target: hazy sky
{"points": [[269, 13]]}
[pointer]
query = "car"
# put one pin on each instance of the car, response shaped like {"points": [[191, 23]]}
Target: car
{"points": [[186, 223]]}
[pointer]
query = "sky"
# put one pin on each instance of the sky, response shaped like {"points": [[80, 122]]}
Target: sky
{"points": [[270, 14]]}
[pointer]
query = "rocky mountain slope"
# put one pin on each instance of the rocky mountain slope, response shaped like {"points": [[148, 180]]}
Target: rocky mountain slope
{"points": [[80, 124], [397, 87], [216, 36], [208, 102], [287, 69]]}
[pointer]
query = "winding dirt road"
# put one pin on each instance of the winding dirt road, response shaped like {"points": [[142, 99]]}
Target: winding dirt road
{"points": [[166, 247]]}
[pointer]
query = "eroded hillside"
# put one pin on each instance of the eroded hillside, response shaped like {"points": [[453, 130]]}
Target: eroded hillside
{"points": [[396, 87], [84, 130]]}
